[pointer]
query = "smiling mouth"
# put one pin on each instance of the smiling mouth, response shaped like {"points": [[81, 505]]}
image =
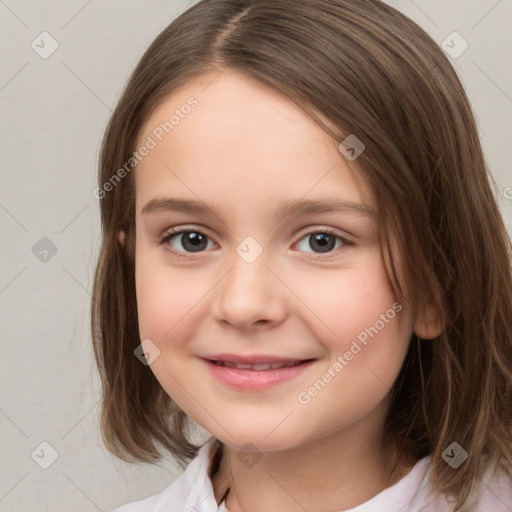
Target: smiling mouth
{"points": [[254, 372], [259, 367]]}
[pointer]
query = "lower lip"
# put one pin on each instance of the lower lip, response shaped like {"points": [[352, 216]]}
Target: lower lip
{"points": [[254, 380]]}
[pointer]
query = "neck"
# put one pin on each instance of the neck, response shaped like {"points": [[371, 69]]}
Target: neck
{"points": [[337, 472]]}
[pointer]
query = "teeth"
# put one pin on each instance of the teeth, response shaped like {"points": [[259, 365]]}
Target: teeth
{"points": [[262, 366], [257, 367]]}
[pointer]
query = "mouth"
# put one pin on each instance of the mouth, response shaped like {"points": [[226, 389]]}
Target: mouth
{"points": [[254, 372], [259, 367]]}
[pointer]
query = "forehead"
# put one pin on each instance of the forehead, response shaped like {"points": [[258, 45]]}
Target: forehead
{"points": [[242, 139]]}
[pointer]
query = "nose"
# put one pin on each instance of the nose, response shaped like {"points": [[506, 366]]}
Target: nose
{"points": [[250, 295]]}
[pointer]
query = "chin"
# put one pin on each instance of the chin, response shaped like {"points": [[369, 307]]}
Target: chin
{"points": [[258, 440]]}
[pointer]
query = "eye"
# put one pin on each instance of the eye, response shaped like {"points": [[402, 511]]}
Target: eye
{"points": [[182, 242], [186, 241], [322, 241]]}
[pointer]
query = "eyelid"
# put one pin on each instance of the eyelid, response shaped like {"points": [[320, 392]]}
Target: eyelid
{"points": [[187, 228], [319, 228], [315, 228]]}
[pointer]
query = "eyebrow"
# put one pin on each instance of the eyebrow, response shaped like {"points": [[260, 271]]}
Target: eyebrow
{"points": [[287, 209]]}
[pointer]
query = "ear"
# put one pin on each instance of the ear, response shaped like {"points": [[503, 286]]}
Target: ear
{"points": [[429, 323], [121, 235]]}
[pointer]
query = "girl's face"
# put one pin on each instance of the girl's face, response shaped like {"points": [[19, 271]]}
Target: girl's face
{"points": [[250, 280]]}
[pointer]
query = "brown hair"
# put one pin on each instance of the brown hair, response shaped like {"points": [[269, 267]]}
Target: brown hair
{"points": [[368, 70]]}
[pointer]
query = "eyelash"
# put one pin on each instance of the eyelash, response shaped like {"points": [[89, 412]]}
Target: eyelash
{"points": [[172, 232]]}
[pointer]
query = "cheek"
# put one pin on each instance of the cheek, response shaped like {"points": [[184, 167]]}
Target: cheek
{"points": [[168, 303], [351, 301], [164, 298], [366, 344]]}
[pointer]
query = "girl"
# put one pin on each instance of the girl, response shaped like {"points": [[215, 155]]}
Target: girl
{"points": [[303, 255]]}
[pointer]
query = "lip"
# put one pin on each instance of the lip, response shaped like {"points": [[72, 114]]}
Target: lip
{"points": [[254, 379]]}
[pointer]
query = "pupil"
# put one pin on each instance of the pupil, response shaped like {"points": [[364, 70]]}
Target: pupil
{"points": [[193, 241], [325, 242]]}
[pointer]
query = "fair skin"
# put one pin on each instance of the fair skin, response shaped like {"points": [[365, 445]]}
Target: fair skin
{"points": [[245, 150]]}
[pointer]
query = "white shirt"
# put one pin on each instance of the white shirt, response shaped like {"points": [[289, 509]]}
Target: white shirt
{"points": [[193, 492]]}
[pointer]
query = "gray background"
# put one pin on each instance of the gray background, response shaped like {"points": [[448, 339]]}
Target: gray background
{"points": [[54, 112]]}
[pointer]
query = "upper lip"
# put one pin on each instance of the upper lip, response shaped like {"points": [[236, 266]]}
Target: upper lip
{"points": [[253, 358]]}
